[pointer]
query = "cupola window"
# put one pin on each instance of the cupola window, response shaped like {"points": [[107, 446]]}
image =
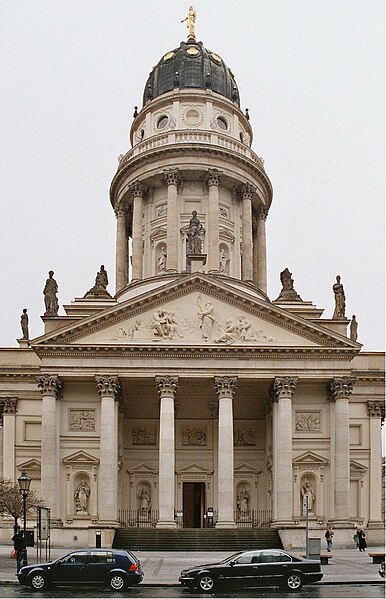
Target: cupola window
{"points": [[162, 121], [222, 123]]}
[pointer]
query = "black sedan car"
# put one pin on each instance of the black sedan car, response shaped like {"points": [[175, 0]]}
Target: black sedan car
{"points": [[113, 568], [265, 568]]}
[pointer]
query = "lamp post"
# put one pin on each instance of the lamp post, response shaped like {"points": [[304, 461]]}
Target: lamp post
{"points": [[24, 484]]}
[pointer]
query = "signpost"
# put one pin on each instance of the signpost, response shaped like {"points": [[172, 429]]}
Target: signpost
{"points": [[305, 513]]}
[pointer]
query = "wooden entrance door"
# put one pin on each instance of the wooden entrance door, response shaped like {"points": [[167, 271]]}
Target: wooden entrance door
{"points": [[193, 500]]}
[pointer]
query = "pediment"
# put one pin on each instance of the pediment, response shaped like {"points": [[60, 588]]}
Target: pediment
{"points": [[246, 469], [195, 311], [80, 458], [143, 469], [310, 458], [32, 468], [356, 467], [194, 469]]}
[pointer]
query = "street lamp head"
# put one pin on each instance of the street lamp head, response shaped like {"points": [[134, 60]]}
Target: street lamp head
{"points": [[24, 483]]}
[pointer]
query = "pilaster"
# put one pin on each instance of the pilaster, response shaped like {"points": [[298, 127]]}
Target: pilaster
{"points": [[225, 388], [376, 413], [50, 387], [172, 179], [8, 410], [109, 391], [282, 392], [137, 189], [167, 387], [213, 182], [340, 391]]}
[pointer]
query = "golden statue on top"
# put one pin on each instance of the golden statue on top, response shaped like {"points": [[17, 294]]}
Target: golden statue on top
{"points": [[191, 21]]}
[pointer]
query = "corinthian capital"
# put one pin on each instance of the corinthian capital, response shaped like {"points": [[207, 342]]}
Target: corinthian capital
{"points": [[172, 176], [225, 386], [247, 191], [376, 409], [341, 387], [166, 385], [262, 213], [213, 177], [108, 386], [137, 189], [283, 387], [49, 385], [8, 405]]}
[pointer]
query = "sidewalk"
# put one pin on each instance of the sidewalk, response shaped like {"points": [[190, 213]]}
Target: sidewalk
{"points": [[163, 568]]}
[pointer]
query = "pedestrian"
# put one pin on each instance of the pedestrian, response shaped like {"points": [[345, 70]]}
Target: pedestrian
{"points": [[362, 540], [356, 538], [19, 546], [329, 535]]}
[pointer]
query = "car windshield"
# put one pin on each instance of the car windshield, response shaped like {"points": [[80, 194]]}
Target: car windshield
{"points": [[230, 558]]}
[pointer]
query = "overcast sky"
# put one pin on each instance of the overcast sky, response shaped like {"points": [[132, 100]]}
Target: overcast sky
{"points": [[311, 73]]}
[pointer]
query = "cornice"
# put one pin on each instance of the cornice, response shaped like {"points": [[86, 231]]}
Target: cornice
{"points": [[193, 352], [182, 148]]}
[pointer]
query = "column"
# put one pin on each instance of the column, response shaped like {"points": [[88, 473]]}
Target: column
{"points": [[341, 389], [8, 447], [138, 190], [167, 387], [376, 412], [282, 505], [121, 251], [172, 179], [213, 181], [247, 193], [225, 387], [50, 387], [109, 391], [260, 249]]}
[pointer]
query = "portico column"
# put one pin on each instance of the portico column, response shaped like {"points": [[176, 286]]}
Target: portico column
{"points": [[167, 387], [121, 251], [376, 412], [260, 249], [8, 447], [282, 393], [213, 181], [225, 387], [247, 193], [172, 179], [109, 391], [341, 389], [50, 448], [138, 190]]}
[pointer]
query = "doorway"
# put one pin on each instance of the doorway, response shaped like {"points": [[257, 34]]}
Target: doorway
{"points": [[193, 501]]}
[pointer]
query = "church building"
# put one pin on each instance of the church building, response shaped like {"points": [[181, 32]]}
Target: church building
{"points": [[187, 397]]}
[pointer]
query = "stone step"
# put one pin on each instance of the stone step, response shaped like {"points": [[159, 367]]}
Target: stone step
{"points": [[188, 539]]}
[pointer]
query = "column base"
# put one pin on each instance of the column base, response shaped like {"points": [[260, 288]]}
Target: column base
{"points": [[166, 524], [107, 524], [283, 523], [226, 524], [375, 524]]}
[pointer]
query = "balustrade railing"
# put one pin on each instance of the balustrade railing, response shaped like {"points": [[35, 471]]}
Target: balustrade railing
{"points": [[137, 518]]}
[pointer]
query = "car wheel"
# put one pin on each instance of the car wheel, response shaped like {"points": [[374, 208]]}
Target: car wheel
{"points": [[206, 583], [117, 582], [38, 581], [293, 582]]}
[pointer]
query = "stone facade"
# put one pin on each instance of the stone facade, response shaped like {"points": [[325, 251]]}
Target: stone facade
{"points": [[190, 379]]}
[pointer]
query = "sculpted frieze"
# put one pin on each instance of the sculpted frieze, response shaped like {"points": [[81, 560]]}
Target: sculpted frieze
{"points": [[198, 318], [307, 422], [81, 420], [194, 437]]}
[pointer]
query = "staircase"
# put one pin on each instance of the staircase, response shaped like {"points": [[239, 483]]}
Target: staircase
{"points": [[196, 539]]}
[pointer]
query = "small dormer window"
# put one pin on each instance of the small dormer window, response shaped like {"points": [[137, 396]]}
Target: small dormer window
{"points": [[162, 121], [222, 123]]}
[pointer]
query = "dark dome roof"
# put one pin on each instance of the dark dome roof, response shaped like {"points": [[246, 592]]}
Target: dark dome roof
{"points": [[191, 66]]}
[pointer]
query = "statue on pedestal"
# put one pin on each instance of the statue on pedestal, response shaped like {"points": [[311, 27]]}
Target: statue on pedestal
{"points": [[194, 234], [50, 290], [340, 299], [24, 324]]}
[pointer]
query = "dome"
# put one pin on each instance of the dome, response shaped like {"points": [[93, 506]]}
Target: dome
{"points": [[191, 66]]}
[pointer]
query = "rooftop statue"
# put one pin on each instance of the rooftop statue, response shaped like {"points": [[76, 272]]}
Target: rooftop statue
{"points": [[288, 292], [191, 22], [340, 299], [50, 300], [24, 324]]}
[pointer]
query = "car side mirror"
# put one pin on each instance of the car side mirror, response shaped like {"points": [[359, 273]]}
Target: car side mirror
{"points": [[232, 563]]}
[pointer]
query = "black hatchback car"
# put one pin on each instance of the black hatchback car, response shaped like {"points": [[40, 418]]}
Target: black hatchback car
{"points": [[113, 568], [265, 568]]}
